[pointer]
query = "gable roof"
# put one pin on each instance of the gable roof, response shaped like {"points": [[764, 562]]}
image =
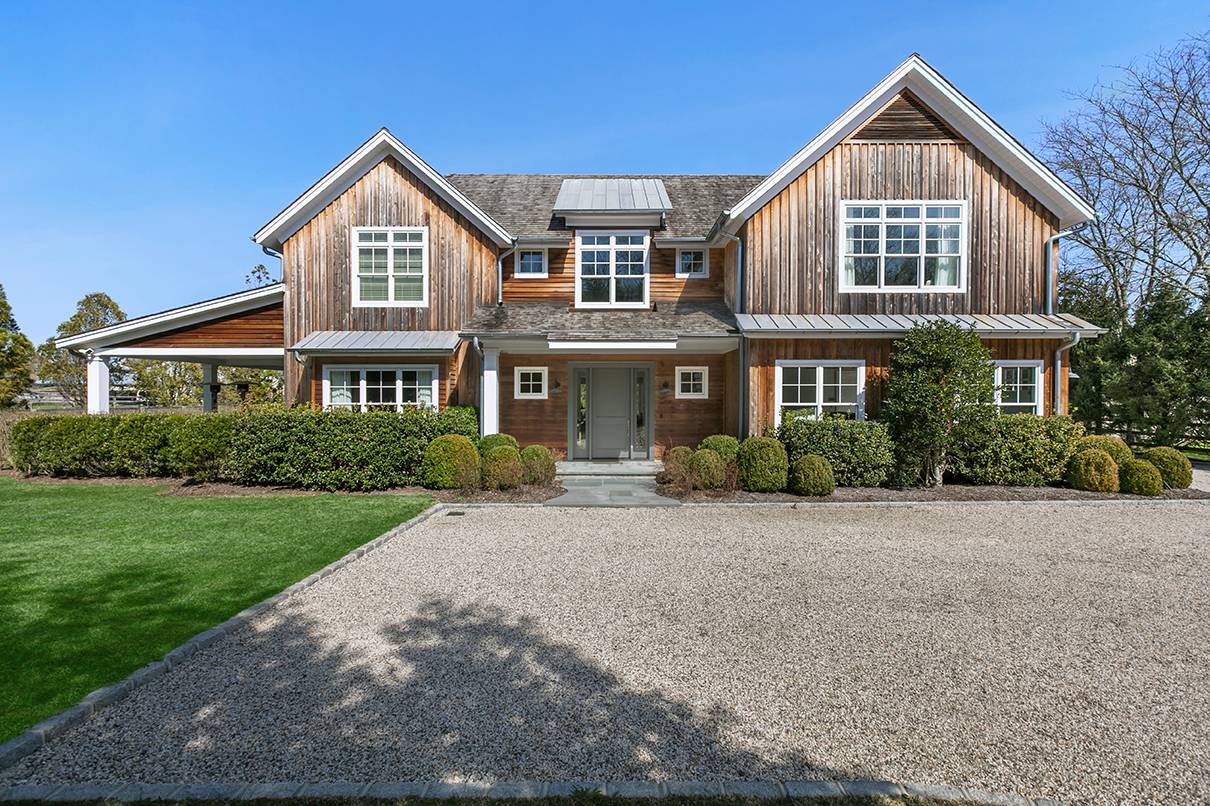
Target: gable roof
{"points": [[525, 203], [956, 111], [355, 166]]}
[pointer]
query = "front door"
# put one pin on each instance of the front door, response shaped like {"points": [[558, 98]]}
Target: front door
{"points": [[610, 412]]}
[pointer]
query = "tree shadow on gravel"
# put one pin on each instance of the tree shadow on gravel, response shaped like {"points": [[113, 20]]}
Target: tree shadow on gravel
{"points": [[464, 692]]}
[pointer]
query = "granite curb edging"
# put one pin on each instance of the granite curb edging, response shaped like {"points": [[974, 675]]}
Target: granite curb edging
{"points": [[40, 734], [512, 790]]}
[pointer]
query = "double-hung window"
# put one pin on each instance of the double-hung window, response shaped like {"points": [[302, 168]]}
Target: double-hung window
{"points": [[531, 263], [819, 388], [692, 263], [1019, 387], [902, 246], [379, 387], [390, 267], [611, 269]]}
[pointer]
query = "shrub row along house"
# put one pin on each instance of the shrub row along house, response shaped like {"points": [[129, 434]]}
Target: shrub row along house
{"points": [[614, 316]]}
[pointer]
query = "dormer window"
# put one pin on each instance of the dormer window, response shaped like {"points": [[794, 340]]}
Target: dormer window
{"points": [[390, 267], [611, 269], [692, 263], [898, 247], [531, 263]]}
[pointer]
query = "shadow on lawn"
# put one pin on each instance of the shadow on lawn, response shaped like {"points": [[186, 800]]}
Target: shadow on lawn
{"points": [[465, 692]]}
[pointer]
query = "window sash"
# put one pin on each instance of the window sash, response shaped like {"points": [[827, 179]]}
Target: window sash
{"points": [[612, 270], [820, 388], [527, 266], [1019, 387], [692, 383], [902, 246], [390, 267], [692, 263], [380, 386], [530, 383]]}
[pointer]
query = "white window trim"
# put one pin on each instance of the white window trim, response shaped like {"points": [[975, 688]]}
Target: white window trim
{"points": [[705, 394], [424, 267], [1039, 387], [362, 368], [705, 263], [777, 377], [612, 247], [544, 274], [963, 246], [519, 395]]}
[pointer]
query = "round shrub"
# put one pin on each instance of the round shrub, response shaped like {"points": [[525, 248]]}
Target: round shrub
{"points": [[1093, 469], [812, 475], [496, 440], [1175, 468], [707, 469], [1140, 477], [1116, 447], [762, 465], [502, 468], [724, 445], [450, 462], [859, 451], [537, 465], [676, 466]]}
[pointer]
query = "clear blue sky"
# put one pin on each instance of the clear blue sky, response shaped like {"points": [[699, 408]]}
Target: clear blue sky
{"points": [[144, 143]]}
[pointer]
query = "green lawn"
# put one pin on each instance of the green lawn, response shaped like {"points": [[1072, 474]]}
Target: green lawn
{"points": [[98, 580], [1197, 453]]}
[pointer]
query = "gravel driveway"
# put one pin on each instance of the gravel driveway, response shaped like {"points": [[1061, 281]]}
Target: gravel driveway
{"points": [[1057, 650]]}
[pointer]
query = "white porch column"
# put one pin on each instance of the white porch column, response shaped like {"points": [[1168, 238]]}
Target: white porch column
{"points": [[210, 387], [490, 405], [98, 386]]}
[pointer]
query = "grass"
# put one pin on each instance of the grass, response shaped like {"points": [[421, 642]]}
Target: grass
{"points": [[98, 580], [1197, 453]]}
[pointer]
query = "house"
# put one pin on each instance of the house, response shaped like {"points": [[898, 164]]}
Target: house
{"points": [[614, 316]]}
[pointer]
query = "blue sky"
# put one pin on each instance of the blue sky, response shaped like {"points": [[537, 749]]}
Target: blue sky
{"points": [[144, 143]]}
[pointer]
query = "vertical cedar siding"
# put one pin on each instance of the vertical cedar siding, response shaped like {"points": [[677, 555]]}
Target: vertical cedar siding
{"points": [[318, 273], [791, 253]]}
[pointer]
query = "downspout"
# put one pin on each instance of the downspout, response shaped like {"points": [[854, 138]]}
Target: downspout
{"points": [[1075, 339], [742, 430], [500, 272], [1049, 258]]}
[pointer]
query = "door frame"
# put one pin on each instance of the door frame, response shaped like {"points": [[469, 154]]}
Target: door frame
{"points": [[572, 396]]}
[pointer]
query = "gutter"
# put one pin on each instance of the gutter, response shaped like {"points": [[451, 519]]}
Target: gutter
{"points": [[500, 272], [1067, 345], [742, 426], [1048, 257]]}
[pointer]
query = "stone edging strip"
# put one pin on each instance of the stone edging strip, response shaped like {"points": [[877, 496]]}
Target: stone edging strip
{"points": [[768, 790], [17, 748]]}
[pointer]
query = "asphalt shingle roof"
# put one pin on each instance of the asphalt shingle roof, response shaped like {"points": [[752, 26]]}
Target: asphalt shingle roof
{"points": [[524, 203], [559, 321]]}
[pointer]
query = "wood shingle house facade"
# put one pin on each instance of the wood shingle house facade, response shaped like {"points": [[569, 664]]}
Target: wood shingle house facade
{"points": [[612, 316]]}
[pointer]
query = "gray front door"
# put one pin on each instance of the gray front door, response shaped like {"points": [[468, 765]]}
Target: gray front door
{"points": [[609, 410]]}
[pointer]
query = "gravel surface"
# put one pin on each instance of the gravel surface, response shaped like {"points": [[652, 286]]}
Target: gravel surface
{"points": [[1058, 650]]}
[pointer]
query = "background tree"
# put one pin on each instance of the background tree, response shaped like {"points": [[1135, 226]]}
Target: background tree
{"points": [[259, 276], [68, 372], [941, 385], [16, 356], [166, 384]]}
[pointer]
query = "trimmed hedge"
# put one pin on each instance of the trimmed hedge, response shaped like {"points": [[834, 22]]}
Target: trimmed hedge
{"points": [[502, 468], [1116, 447], [1175, 468], [811, 475], [1140, 477], [537, 465], [1018, 449], [495, 441], [707, 469], [762, 465], [859, 451], [328, 450], [451, 461], [724, 445], [1093, 469]]}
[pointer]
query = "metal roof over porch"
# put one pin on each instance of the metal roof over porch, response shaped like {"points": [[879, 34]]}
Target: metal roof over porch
{"points": [[1000, 325], [376, 342]]}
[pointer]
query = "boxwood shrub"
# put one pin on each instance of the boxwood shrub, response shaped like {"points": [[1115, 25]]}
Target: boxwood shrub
{"points": [[1140, 477], [1175, 468], [859, 451], [451, 462], [725, 445], [496, 440], [811, 475], [502, 468], [1116, 447], [537, 465], [707, 469], [762, 464], [1018, 449], [1093, 469]]}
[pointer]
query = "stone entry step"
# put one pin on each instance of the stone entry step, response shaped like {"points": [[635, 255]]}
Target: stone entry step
{"points": [[607, 468], [610, 491]]}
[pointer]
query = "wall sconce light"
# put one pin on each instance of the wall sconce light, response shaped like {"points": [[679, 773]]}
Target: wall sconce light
{"points": [[554, 388]]}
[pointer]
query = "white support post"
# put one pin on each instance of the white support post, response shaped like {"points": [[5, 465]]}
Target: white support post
{"points": [[98, 386], [490, 405], [210, 387]]}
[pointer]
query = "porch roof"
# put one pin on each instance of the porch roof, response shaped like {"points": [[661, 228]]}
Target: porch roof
{"points": [[1002, 325], [558, 321], [373, 342]]}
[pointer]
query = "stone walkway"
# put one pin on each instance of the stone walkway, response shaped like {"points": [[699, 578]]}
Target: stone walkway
{"points": [[610, 491]]}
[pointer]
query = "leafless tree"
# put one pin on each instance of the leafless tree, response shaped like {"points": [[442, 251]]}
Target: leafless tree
{"points": [[1139, 150]]}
